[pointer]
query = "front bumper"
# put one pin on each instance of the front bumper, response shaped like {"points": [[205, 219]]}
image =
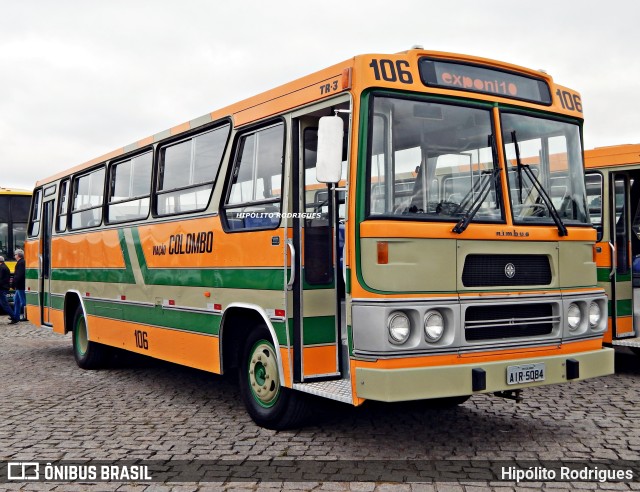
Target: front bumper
{"points": [[457, 380]]}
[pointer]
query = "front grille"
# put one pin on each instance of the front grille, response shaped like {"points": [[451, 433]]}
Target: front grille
{"points": [[506, 270], [509, 321]]}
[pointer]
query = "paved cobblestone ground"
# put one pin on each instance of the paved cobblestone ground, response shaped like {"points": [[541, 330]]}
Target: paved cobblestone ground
{"points": [[146, 409]]}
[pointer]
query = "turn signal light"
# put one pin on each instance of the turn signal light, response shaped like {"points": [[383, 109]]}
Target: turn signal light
{"points": [[383, 253]]}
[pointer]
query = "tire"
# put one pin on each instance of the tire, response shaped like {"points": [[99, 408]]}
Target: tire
{"points": [[88, 355], [269, 404], [635, 350]]}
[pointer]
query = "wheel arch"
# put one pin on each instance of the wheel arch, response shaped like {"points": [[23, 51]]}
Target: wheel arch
{"points": [[245, 317], [73, 300]]}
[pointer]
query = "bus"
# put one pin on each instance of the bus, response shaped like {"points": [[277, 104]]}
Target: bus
{"points": [[613, 195], [389, 228], [14, 215]]}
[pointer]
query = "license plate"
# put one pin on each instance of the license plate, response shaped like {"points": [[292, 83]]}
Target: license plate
{"points": [[528, 373]]}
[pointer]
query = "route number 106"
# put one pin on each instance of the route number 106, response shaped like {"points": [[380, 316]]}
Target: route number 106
{"points": [[141, 339]]}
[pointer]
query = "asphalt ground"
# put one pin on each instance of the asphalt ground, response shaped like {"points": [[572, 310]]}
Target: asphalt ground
{"points": [[141, 410]]}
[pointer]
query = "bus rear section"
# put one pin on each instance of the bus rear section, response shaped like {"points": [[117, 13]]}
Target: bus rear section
{"points": [[613, 189], [14, 215]]}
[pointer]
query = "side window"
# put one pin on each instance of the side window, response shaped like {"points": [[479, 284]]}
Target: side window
{"points": [[187, 171], [254, 199], [63, 206], [88, 196], [130, 187], [594, 201], [36, 214]]}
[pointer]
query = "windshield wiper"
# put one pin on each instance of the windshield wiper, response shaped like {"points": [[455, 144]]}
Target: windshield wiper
{"points": [[542, 193], [486, 177], [477, 202]]}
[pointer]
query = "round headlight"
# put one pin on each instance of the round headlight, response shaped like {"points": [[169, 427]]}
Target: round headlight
{"points": [[399, 327], [433, 326], [594, 314], [574, 316]]}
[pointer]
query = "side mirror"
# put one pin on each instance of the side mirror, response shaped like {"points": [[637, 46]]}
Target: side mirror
{"points": [[329, 157]]}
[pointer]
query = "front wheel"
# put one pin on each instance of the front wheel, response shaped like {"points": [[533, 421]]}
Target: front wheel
{"points": [[268, 403], [88, 355]]}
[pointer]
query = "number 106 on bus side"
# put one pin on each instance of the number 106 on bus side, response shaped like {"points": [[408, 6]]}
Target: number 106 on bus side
{"points": [[525, 374]]}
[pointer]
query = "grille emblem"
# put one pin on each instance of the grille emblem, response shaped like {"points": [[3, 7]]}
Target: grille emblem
{"points": [[510, 270]]}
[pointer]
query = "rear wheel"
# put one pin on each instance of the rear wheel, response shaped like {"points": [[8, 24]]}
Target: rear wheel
{"points": [[88, 355], [268, 403]]}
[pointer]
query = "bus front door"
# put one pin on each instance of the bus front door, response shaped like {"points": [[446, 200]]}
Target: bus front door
{"points": [[317, 293], [45, 262], [621, 302]]}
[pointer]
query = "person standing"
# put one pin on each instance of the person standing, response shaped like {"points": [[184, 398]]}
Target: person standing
{"points": [[19, 298], [4, 289]]}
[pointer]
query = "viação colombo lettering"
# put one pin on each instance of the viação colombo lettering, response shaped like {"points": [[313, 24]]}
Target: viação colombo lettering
{"points": [[185, 244]]}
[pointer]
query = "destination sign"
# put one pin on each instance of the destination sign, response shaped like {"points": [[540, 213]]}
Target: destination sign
{"points": [[477, 78]]}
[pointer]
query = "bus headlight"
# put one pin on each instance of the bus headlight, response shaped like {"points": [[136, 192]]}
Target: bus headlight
{"points": [[399, 327], [594, 314], [574, 316], [433, 326]]}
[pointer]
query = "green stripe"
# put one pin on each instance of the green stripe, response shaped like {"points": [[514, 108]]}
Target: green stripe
{"points": [[624, 307], [224, 278], [603, 274], [198, 322], [319, 329], [102, 275]]}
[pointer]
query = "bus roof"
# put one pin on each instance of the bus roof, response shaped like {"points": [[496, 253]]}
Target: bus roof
{"points": [[14, 191], [614, 155], [304, 90]]}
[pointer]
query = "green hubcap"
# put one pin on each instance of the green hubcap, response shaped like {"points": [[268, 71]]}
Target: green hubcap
{"points": [[264, 379], [82, 340]]}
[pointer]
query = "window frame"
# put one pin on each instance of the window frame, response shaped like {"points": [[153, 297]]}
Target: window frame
{"points": [[513, 110], [71, 212], [599, 231], [235, 160], [157, 173], [370, 105], [65, 186], [109, 185], [35, 213]]}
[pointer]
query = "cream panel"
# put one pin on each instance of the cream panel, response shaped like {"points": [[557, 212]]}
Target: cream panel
{"points": [[415, 265], [577, 268]]}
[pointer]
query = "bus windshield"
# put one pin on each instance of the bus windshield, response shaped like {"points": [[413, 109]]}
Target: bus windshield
{"points": [[544, 160], [432, 161], [14, 213]]}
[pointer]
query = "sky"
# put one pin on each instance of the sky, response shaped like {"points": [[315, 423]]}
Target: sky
{"points": [[80, 78]]}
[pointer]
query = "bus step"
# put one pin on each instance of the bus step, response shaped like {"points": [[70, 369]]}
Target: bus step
{"points": [[339, 390], [627, 342]]}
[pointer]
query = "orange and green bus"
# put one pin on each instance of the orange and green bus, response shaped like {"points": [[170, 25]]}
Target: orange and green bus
{"points": [[389, 228], [14, 214], [613, 195]]}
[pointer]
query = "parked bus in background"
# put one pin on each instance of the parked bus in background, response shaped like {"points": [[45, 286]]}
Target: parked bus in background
{"points": [[389, 228], [14, 214], [613, 195]]}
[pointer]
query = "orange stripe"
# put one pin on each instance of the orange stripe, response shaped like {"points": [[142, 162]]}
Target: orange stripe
{"points": [[479, 357], [91, 250], [229, 250], [624, 324], [319, 360], [389, 228], [188, 349]]}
